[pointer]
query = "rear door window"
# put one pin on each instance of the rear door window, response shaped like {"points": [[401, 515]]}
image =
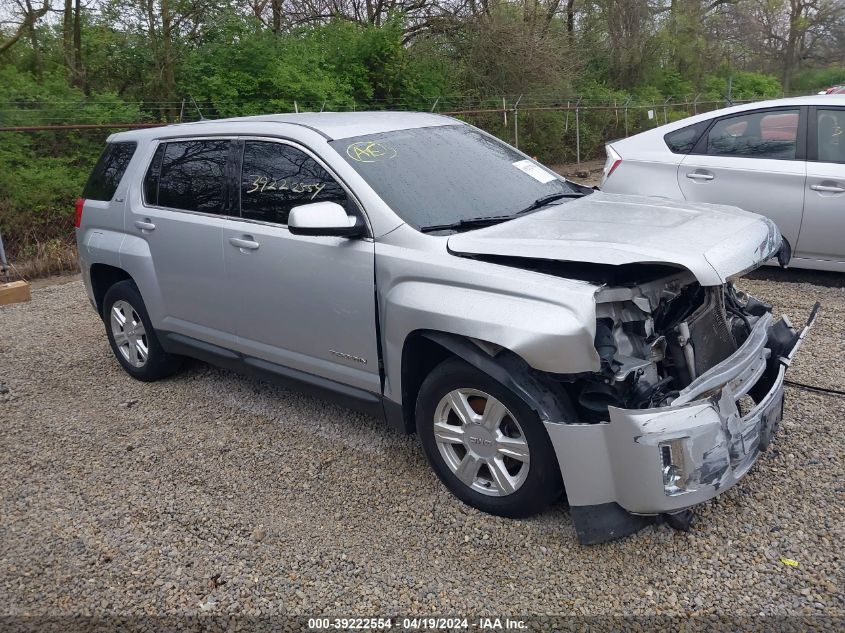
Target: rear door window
{"points": [[103, 181], [276, 177], [189, 175], [830, 125], [767, 134]]}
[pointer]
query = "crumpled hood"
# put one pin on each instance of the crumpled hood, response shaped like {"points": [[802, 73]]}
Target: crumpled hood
{"points": [[714, 242]]}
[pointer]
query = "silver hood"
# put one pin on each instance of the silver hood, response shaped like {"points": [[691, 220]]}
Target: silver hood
{"points": [[714, 242]]}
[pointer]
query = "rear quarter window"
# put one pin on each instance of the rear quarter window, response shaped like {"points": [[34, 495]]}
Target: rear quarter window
{"points": [[103, 181], [683, 141]]}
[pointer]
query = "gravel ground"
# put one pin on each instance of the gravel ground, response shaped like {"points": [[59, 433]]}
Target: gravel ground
{"points": [[586, 173], [212, 493]]}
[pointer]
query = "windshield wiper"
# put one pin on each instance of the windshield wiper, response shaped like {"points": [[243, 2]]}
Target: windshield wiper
{"points": [[542, 202], [474, 223], [467, 223]]}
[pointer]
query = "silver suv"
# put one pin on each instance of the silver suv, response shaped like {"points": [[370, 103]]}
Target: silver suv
{"points": [[538, 335]]}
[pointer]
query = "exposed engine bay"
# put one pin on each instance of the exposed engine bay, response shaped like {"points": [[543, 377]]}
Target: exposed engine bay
{"points": [[656, 338]]}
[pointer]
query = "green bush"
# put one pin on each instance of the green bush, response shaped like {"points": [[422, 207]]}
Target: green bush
{"points": [[336, 66], [812, 81], [744, 85], [42, 173]]}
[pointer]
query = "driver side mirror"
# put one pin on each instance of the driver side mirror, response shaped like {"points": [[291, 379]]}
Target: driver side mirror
{"points": [[323, 218]]}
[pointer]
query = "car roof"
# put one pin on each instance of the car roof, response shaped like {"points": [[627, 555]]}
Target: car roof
{"points": [[331, 125], [826, 99], [817, 100], [649, 136]]}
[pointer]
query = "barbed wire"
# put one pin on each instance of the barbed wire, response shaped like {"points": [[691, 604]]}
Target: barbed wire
{"points": [[509, 97], [504, 117], [88, 114]]}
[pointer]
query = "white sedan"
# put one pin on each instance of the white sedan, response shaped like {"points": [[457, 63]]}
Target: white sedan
{"points": [[783, 158]]}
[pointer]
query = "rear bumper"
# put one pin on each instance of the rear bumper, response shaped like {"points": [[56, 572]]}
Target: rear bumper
{"points": [[667, 459]]}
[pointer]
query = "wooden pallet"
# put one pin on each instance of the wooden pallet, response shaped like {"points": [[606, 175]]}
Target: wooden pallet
{"points": [[14, 292]]}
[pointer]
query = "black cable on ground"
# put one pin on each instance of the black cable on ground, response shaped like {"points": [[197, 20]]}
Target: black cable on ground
{"points": [[801, 385]]}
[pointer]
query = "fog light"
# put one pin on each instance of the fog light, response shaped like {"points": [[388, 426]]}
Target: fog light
{"points": [[673, 466]]}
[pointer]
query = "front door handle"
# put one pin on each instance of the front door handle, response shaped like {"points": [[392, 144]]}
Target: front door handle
{"points": [[699, 176], [827, 188], [145, 225], [244, 243]]}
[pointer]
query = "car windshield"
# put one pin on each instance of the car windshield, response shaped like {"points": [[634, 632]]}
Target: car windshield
{"points": [[436, 177]]}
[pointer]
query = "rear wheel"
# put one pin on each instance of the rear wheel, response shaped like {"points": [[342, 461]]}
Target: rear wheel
{"points": [[132, 337], [484, 443]]}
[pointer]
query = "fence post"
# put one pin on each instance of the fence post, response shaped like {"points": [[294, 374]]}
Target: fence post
{"points": [[4, 264], [577, 134], [436, 101], [627, 101], [505, 111], [566, 122], [516, 123], [666, 111], [695, 103], [295, 106]]}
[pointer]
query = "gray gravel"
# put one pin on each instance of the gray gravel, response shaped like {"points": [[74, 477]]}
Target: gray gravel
{"points": [[212, 493]]}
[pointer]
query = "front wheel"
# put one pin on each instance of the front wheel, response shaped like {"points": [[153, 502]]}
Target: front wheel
{"points": [[484, 443]]}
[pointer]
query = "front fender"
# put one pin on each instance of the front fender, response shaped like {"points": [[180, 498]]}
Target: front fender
{"points": [[548, 336]]}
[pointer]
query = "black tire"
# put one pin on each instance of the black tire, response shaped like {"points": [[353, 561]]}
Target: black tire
{"points": [[542, 485], [159, 364]]}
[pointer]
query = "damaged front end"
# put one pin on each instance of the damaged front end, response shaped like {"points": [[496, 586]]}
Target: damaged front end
{"points": [[689, 392]]}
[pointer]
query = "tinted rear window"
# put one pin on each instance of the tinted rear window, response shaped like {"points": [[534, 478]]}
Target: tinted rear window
{"points": [[682, 141], [103, 181], [191, 176]]}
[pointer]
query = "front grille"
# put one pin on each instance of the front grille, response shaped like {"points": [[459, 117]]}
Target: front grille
{"points": [[710, 333]]}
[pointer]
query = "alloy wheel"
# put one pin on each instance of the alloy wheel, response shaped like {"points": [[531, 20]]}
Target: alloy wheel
{"points": [[129, 334], [481, 442]]}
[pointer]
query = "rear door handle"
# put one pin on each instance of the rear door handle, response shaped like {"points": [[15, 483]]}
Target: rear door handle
{"points": [[244, 243], [827, 188], [699, 176], [145, 225]]}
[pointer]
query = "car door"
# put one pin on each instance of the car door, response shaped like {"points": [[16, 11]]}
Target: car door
{"points": [[823, 230], [182, 211], [752, 160], [306, 303]]}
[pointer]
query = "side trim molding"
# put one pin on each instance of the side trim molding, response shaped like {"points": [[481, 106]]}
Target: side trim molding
{"points": [[344, 395]]}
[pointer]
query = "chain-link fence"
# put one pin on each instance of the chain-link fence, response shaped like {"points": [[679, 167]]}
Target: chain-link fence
{"points": [[556, 129]]}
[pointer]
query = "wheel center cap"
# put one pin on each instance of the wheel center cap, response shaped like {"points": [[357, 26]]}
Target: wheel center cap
{"points": [[481, 441]]}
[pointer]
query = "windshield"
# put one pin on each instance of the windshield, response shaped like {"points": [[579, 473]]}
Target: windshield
{"points": [[437, 176]]}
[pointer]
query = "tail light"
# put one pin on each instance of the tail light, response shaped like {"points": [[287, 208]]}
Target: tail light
{"points": [[613, 161], [77, 221]]}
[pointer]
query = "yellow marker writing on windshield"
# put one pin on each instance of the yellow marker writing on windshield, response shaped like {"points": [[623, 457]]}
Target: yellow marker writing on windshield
{"points": [[370, 152]]}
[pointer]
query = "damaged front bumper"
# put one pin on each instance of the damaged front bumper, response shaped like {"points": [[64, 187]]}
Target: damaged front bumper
{"points": [[648, 462]]}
